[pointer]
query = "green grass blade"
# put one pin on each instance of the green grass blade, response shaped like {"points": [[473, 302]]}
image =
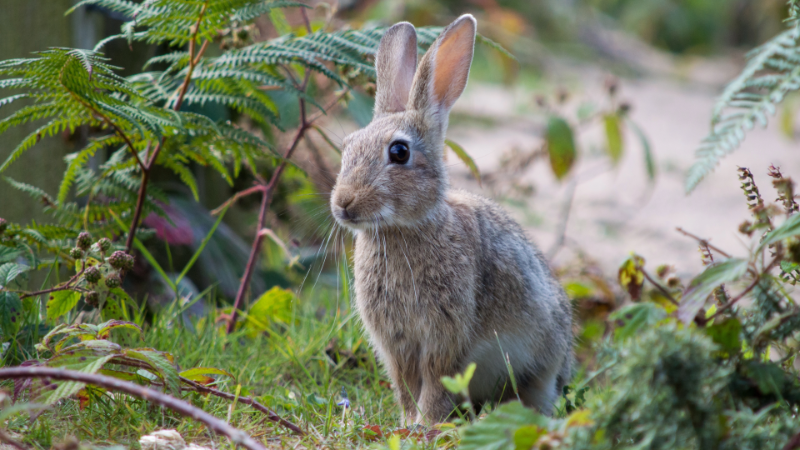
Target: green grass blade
{"points": [[147, 255], [202, 246]]}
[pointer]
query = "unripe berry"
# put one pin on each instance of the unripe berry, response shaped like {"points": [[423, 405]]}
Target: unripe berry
{"points": [[84, 241], [92, 298], [121, 260], [113, 281], [76, 253], [92, 274], [104, 244]]}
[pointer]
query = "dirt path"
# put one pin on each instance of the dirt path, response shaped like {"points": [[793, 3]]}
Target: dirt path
{"points": [[614, 212]]}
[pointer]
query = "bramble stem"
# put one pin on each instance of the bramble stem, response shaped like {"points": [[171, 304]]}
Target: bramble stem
{"points": [[194, 59], [271, 415], [181, 407]]}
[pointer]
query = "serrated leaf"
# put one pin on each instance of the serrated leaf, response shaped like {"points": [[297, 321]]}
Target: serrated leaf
{"points": [[465, 158], [49, 392], [275, 305], [726, 334], [560, 146], [789, 228], [497, 430], [10, 313], [61, 302], [10, 271], [635, 317], [200, 373], [162, 366], [105, 328], [614, 143], [704, 284]]}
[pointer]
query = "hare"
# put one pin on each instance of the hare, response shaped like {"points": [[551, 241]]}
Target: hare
{"points": [[443, 278]]}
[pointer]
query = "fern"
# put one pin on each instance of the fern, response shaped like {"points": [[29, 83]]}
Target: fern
{"points": [[772, 72]]}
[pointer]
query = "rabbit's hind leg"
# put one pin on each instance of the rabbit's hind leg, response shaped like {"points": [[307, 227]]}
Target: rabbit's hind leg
{"points": [[539, 390]]}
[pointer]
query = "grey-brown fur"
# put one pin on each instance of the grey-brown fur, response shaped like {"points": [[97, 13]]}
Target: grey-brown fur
{"points": [[442, 277]]}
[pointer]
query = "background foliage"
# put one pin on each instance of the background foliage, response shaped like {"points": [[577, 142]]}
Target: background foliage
{"points": [[243, 311]]}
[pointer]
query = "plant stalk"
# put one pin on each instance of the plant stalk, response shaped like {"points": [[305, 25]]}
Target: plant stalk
{"points": [[181, 407]]}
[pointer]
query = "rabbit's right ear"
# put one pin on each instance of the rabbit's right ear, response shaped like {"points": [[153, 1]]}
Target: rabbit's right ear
{"points": [[395, 63]]}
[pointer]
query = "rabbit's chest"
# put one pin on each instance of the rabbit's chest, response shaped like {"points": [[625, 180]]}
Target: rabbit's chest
{"points": [[410, 293]]}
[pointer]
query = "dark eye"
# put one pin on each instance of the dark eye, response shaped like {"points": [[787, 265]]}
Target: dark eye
{"points": [[399, 153]]}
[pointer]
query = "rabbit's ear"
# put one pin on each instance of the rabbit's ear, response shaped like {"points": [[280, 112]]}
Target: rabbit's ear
{"points": [[395, 63], [443, 72]]}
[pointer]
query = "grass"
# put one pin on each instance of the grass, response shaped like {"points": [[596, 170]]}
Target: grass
{"points": [[299, 370]]}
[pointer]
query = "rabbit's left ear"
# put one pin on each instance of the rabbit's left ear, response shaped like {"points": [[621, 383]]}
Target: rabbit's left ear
{"points": [[443, 72]]}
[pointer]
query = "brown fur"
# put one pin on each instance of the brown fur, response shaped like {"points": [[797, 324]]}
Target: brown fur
{"points": [[443, 278]]}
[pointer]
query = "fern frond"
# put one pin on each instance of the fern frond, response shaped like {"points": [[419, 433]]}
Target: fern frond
{"points": [[772, 72]]}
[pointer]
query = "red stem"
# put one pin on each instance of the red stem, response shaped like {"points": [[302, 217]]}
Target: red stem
{"points": [[266, 200], [175, 404], [271, 415]]}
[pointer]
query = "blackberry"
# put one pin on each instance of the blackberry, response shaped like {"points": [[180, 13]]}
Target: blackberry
{"points": [[92, 274], [84, 241], [113, 281]]}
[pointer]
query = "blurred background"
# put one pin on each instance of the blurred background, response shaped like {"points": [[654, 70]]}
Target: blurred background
{"points": [[634, 80]]}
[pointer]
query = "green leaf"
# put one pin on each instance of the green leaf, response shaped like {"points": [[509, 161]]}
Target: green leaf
{"points": [[526, 437], [726, 334], [200, 374], [162, 366], [10, 313], [10, 271], [498, 430], [649, 159], [201, 247], [87, 361], [635, 317], [278, 19], [275, 305], [614, 143], [704, 284], [460, 383], [560, 146], [114, 324], [465, 158], [789, 228], [61, 302]]}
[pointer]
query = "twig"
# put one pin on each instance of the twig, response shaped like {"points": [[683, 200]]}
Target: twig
{"points": [[562, 233], [703, 242], [266, 200], [735, 299], [659, 287], [181, 407], [194, 59], [237, 196], [271, 415], [62, 287]]}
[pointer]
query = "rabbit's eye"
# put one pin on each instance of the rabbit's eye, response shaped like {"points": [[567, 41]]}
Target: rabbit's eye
{"points": [[399, 153]]}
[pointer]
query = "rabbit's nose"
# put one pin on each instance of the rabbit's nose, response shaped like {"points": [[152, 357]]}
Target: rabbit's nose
{"points": [[343, 203]]}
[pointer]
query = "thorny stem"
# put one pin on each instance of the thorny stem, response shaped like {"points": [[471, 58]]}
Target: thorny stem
{"points": [[271, 415], [63, 287], [181, 407], [194, 59], [266, 200], [266, 197]]}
